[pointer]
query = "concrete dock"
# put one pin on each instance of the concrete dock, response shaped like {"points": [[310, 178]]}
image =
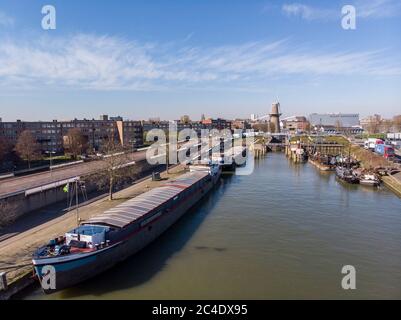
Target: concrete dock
{"points": [[16, 251], [393, 183]]}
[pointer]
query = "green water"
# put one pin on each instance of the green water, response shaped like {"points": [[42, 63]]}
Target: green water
{"points": [[283, 232]]}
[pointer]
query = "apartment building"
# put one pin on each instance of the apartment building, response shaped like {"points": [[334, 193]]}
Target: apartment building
{"points": [[295, 124], [240, 124], [219, 124], [51, 135], [334, 119], [130, 133]]}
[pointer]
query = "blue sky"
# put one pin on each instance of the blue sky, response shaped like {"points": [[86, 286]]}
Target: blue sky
{"points": [[222, 58]]}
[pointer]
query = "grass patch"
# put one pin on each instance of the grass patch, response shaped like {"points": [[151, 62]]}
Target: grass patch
{"points": [[382, 136], [58, 158], [338, 140]]}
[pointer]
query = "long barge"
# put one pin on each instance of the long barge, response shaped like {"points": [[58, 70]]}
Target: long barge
{"points": [[101, 242]]}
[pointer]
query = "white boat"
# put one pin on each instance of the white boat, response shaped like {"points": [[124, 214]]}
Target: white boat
{"points": [[369, 180]]}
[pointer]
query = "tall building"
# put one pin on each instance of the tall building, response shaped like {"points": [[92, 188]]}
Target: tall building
{"points": [[334, 119], [275, 118]]}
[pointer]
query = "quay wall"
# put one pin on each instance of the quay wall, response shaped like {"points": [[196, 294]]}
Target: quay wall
{"points": [[25, 280], [393, 184]]}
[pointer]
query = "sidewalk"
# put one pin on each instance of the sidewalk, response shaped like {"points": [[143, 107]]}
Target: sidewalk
{"points": [[17, 250]]}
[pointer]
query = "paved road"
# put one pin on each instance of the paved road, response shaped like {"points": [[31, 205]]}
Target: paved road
{"points": [[18, 184]]}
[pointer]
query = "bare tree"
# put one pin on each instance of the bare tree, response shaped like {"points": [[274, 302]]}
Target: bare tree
{"points": [[27, 147], [373, 126], [387, 125], [117, 167], [4, 148], [397, 123], [308, 127], [338, 125], [75, 142], [261, 127]]}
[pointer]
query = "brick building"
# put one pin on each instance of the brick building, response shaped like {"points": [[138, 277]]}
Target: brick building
{"points": [[50, 135]]}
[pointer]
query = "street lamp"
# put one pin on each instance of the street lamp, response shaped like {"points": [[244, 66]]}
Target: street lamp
{"points": [[50, 153], [172, 125]]}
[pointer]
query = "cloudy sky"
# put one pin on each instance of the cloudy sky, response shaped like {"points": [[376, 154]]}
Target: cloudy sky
{"points": [[226, 58]]}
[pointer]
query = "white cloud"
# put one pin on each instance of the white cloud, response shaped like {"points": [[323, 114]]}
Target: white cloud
{"points": [[307, 12], [378, 8], [110, 63], [5, 20], [364, 9]]}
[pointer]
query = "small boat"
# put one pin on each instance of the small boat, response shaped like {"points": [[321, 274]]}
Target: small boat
{"points": [[369, 180], [346, 174]]}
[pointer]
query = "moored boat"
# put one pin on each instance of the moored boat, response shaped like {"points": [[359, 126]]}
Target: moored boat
{"points": [[369, 180], [346, 174], [106, 239]]}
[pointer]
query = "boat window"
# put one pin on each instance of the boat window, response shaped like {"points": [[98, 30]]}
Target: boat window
{"points": [[77, 244]]}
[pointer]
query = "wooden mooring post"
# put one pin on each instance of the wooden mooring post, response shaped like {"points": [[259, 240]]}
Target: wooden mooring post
{"points": [[259, 150], [3, 281]]}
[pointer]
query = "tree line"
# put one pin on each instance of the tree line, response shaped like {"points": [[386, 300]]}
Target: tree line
{"points": [[384, 125], [28, 149]]}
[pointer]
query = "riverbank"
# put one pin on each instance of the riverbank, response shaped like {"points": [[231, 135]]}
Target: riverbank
{"points": [[370, 160], [393, 183], [17, 250]]}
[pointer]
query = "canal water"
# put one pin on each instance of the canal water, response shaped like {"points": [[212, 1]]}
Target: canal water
{"points": [[283, 232]]}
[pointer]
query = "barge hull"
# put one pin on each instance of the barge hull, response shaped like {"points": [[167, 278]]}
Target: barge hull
{"points": [[78, 270]]}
